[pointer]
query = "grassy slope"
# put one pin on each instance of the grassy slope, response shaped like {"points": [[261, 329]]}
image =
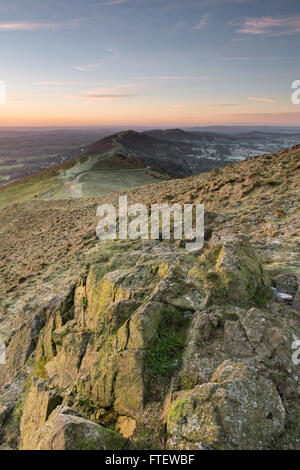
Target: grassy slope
{"points": [[53, 182], [32, 186], [259, 196]]}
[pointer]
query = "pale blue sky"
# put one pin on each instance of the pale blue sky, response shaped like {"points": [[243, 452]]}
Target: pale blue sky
{"points": [[156, 62]]}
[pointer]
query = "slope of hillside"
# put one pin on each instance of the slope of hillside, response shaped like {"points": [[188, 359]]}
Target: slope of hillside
{"points": [[161, 346], [24, 151], [101, 168], [123, 160], [172, 152], [129, 159]]}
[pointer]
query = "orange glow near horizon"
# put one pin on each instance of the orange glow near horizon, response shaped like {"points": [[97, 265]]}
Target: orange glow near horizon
{"points": [[143, 112]]}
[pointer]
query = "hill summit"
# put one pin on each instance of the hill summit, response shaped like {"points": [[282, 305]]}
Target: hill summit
{"points": [[129, 159], [123, 160]]}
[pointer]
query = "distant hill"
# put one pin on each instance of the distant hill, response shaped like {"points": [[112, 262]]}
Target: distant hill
{"points": [[120, 161], [129, 159], [174, 152], [235, 130]]}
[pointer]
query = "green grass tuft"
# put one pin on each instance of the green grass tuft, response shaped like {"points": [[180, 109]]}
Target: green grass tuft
{"points": [[163, 357]]}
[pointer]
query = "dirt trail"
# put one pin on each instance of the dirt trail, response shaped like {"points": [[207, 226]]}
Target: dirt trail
{"points": [[76, 192]]}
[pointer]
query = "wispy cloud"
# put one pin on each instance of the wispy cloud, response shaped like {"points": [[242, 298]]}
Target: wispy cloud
{"points": [[113, 53], [104, 96], [202, 23], [178, 106], [38, 25], [116, 92], [113, 2], [60, 83], [264, 100], [88, 67], [286, 118], [179, 25], [175, 77], [172, 5], [268, 25]]}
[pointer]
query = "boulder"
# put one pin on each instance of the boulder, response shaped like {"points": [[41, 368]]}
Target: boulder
{"points": [[240, 273], [236, 342], [237, 409], [67, 430]]}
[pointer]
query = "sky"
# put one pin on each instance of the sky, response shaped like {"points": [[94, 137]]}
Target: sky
{"points": [[156, 63]]}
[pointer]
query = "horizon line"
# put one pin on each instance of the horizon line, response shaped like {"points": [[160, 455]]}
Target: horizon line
{"points": [[154, 126]]}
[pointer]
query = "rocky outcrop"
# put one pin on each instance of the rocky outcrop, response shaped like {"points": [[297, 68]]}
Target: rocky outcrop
{"points": [[239, 271], [237, 409], [202, 338], [67, 430]]}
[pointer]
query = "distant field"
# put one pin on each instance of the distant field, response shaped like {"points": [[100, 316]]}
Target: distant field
{"points": [[11, 167], [73, 163], [29, 187], [25, 151], [103, 182], [88, 176]]}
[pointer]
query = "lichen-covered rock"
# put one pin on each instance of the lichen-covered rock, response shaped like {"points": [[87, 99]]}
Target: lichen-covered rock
{"points": [[240, 273], [296, 301], [9, 411], [67, 430], [201, 335], [21, 343], [113, 374], [236, 342], [237, 409], [130, 385], [111, 369], [286, 283], [71, 352], [270, 337], [125, 426], [4, 413], [38, 405], [151, 325]]}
